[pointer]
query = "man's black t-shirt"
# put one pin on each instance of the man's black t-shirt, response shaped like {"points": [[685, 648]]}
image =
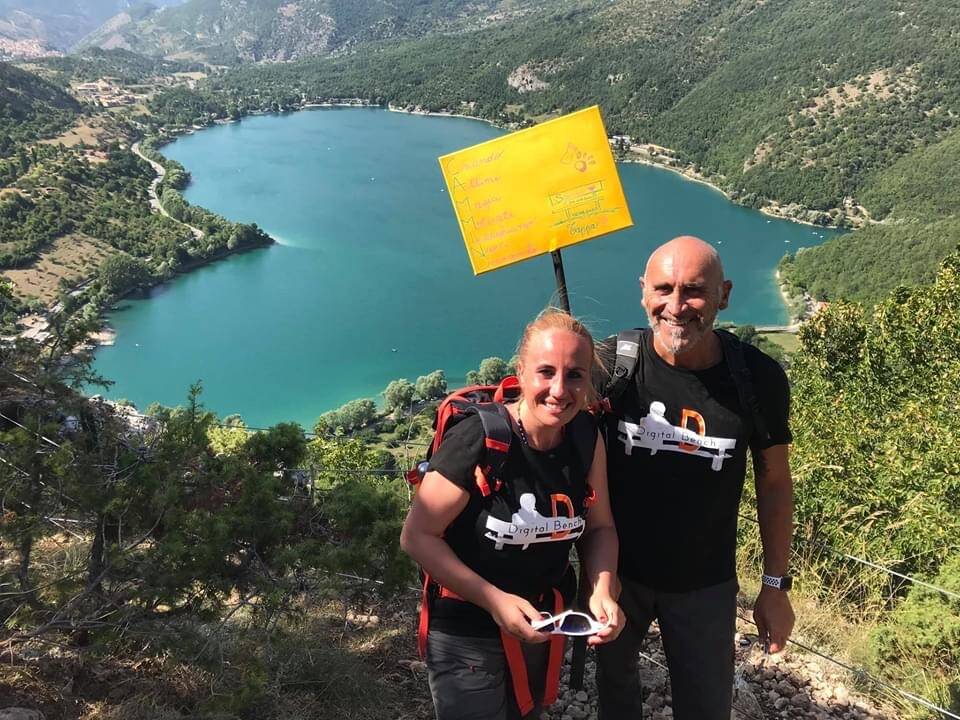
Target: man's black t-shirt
{"points": [[676, 458], [519, 537]]}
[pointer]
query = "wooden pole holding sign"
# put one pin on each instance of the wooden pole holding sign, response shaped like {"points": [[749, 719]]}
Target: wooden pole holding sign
{"points": [[561, 281], [536, 191]]}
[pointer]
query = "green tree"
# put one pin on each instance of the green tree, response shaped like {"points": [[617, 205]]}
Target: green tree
{"points": [[229, 437], [8, 306], [351, 416], [432, 386], [120, 273], [492, 371], [398, 395], [875, 424], [282, 447], [924, 629]]}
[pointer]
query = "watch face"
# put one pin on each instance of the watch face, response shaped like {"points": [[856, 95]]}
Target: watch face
{"points": [[786, 583]]}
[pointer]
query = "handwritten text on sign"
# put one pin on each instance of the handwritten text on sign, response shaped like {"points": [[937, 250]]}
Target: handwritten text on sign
{"points": [[536, 190]]}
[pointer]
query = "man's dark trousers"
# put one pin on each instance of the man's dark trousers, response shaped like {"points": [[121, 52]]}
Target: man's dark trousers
{"points": [[697, 629]]}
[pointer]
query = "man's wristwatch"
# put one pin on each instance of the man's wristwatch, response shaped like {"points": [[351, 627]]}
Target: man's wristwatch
{"points": [[784, 582]]}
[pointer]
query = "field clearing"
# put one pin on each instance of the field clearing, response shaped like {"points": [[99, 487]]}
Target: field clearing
{"points": [[85, 132], [73, 258], [788, 341]]}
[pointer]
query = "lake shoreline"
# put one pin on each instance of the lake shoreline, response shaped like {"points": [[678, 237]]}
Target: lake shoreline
{"points": [[657, 156], [106, 336], [664, 158], [649, 154], [177, 336]]}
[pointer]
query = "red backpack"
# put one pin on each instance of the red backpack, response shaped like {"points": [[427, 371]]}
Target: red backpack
{"points": [[487, 402]]}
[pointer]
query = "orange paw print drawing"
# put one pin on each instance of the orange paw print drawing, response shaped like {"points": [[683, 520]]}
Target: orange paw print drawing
{"points": [[578, 158]]}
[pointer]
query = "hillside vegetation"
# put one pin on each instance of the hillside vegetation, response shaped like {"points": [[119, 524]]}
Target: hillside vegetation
{"points": [[31, 108], [80, 217]]}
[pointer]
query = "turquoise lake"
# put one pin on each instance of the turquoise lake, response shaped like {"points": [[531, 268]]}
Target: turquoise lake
{"points": [[370, 279]]}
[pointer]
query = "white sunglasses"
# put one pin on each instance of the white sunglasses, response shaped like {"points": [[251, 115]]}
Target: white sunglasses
{"points": [[569, 622]]}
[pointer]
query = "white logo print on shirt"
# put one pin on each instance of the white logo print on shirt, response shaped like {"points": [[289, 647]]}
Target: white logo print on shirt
{"points": [[527, 526], [655, 433]]}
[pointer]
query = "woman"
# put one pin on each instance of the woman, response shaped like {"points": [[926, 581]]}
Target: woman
{"points": [[499, 560]]}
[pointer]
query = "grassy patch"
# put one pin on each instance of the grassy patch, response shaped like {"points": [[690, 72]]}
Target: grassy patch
{"points": [[788, 341], [85, 132], [313, 663], [72, 259]]}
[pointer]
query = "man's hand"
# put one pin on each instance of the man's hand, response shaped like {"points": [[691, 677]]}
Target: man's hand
{"points": [[606, 610], [774, 617]]}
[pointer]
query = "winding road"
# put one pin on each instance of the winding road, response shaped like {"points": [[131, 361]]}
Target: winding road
{"points": [[152, 190]]}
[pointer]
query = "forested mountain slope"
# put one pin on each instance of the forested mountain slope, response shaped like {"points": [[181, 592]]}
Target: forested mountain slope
{"points": [[30, 107], [94, 63], [230, 31], [59, 24], [919, 200]]}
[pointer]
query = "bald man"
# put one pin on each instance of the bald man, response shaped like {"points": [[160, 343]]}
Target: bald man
{"points": [[677, 442]]}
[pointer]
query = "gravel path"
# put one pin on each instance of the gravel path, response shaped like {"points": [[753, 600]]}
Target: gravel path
{"points": [[793, 685]]}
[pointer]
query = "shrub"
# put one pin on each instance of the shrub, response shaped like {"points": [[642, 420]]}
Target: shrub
{"points": [[918, 648]]}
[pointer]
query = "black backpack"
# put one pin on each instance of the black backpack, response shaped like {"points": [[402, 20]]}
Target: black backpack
{"points": [[629, 362]]}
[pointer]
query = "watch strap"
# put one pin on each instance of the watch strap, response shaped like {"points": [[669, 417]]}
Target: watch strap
{"points": [[782, 582]]}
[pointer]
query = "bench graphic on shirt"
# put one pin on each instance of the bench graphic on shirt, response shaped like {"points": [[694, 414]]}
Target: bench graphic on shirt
{"points": [[654, 432], [527, 526]]}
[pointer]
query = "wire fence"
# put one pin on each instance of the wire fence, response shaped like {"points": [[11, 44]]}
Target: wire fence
{"points": [[876, 566]]}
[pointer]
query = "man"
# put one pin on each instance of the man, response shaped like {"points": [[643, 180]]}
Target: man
{"points": [[677, 444]]}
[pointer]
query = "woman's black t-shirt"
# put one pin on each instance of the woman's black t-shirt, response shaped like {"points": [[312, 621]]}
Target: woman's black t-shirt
{"points": [[519, 537]]}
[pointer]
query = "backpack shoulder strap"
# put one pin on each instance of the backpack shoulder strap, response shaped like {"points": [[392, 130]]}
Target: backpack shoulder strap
{"points": [[583, 435], [743, 380], [497, 436], [629, 359]]}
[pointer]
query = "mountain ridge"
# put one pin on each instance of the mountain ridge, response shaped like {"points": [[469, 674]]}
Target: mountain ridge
{"points": [[44, 27], [232, 31]]}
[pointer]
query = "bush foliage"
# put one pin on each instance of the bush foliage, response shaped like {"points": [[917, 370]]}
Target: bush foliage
{"points": [[876, 424]]}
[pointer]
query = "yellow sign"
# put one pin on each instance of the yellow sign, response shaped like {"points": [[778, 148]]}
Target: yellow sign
{"points": [[536, 190]]}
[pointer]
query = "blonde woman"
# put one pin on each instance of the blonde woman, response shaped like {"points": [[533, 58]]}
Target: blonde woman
{"points": [[499, 561]]}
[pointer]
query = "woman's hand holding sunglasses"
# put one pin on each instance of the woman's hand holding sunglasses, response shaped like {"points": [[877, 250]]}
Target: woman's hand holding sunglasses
{"points": [[578, 624], [514, 615]]}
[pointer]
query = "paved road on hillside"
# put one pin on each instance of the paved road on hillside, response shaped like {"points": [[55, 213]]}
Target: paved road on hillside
{"points": [[154, 198]]}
